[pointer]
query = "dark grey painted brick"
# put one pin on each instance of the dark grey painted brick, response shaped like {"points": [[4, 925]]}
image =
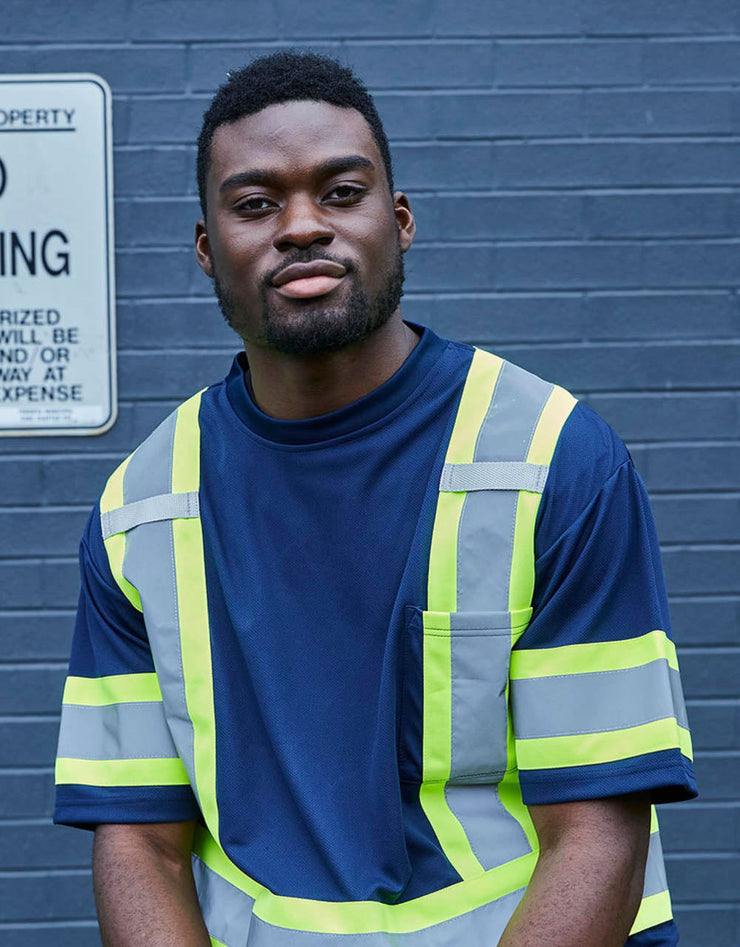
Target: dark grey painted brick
{"points": [[27, 795], [710, 926], [91, 20], [152, 374], [44, 846], [659, 113], [31, 583], [499, 18], [654, 417], [696, 571], [46, 533], [498, 216], [696, 827], [435, 166], [36, 636], [155, 272], [152, 171], [681, 62], [166, 120], [692, 467], [125, 68], [155, 223], [28, 481], [659, 16], [174, 323], [183, 20], [718, 776], [71, 934], [59, 896], [710, 673], [31, 689], [715, 725], [599, 62], [707, 519], [687, 315], [718, 875], [647, 367], [659, 215], [705, 621], [28, 743], [341, 19]]}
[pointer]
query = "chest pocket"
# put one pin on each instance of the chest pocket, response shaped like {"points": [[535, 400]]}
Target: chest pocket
{"points": [[454, 717]]}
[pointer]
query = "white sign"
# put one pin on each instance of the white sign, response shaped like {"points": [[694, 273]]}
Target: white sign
{"points": [[57, 324]]}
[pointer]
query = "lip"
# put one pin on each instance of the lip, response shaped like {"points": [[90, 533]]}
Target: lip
{"points": [[301, 271]]}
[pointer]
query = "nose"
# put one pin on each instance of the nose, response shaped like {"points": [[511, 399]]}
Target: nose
{"points": [[302, 223]]}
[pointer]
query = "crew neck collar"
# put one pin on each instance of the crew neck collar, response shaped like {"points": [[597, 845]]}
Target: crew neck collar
{"points": [[367, 410]]}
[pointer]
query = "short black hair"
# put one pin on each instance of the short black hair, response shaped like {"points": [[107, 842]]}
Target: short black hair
{"points": [[285, 76]]}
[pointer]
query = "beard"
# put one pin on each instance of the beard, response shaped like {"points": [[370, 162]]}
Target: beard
{"points": [[313, 328]]}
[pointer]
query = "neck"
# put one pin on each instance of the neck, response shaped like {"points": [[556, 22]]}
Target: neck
{"points": [[292, 387]]}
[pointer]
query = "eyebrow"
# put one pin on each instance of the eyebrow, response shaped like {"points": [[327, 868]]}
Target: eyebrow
{"points": [[263, 176]]}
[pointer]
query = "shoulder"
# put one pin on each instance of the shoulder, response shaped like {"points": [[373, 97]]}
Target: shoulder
{"points": [[587, 456]]}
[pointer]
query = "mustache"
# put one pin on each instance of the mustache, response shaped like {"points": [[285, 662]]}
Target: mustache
{"points": [[303, 256]]}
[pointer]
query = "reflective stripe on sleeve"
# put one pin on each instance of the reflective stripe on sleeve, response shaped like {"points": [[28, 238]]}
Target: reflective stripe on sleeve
{"points": [[146, 772], [115, 731], [114, 689]]}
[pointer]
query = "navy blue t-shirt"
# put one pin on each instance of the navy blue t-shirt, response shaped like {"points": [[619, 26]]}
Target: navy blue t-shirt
{"points": [[316, 537]]}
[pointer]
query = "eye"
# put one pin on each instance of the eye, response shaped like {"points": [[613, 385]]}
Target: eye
{"points": [[254, 204], [344, 193]]}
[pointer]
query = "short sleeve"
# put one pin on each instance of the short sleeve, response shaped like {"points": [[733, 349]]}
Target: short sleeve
{"points": [[596, 695], [116, 760]]}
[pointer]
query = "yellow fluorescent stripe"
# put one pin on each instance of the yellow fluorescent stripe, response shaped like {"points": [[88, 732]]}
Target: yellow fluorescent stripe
{"points": [[437, 727], [192, 605], [653, 910], [115, 546], [364, 917], [216, 943], [116, 689], [599, 656], [584, 749], [442, 577], [473, 408], [139, 772], [554, 414]]}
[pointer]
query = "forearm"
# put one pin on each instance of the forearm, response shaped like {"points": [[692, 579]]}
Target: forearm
{"points": [[587, 886], [144, 890]]}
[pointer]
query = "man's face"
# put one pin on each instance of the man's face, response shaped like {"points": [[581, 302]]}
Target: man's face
{"points": [[303, 238]]}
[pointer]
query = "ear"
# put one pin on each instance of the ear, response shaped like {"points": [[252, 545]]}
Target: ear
{"points": [[404, 220], [203, 249]]}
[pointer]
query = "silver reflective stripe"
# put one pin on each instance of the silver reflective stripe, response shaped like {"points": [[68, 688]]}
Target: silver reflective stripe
{"points": [[594, 702], [116, 732], [494, 836], [493, 475], [479, 674], [226, 910], [486, 533], [229, 918], [655, 876], [165, 506], [149, 565]]}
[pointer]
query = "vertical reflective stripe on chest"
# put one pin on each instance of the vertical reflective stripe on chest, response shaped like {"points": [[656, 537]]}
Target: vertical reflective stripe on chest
{"points": [[164, 560]]}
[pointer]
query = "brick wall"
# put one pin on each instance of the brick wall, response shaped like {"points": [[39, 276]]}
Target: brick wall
{"points": [[575, 169]]}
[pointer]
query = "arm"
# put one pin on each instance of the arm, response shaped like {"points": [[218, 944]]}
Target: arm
{"points": [[144, 888], [587, 886]]}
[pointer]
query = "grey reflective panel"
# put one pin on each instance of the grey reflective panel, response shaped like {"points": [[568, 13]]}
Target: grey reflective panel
{"points": [[479, 674], [149, 471], [494, 834], [486, 533], [165, 506], [149, 566], [593, 702], [655, 876], [679, 707], [494, 475], [482, 927], [226, 910], [116, 732]]}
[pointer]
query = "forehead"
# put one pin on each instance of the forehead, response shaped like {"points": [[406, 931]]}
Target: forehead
{"points": [[291, 136]]}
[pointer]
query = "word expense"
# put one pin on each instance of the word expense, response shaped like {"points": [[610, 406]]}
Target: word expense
{"points": [[35, 254]]}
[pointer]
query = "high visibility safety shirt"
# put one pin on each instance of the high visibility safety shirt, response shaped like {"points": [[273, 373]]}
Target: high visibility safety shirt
{"points": [[355, 648]]}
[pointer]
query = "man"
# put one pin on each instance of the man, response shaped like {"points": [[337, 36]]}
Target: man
{"points": [[375, 628]]}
